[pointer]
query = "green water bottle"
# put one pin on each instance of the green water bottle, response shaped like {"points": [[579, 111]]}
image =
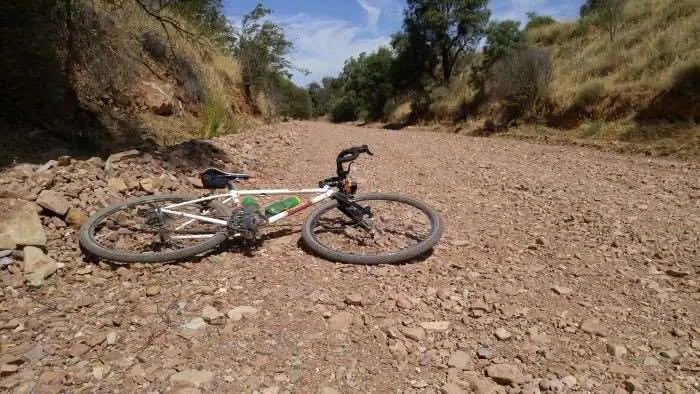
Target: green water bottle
{"points": [[282, 205], [249, 204]]}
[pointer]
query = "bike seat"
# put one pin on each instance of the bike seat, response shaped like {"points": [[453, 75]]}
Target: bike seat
{"points": [[214, 178]]}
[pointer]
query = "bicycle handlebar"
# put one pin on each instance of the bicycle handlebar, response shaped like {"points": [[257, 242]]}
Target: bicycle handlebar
{"points": [[348, 155]]}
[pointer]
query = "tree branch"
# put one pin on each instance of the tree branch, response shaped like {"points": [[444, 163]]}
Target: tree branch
{"points": [[164, 19]]}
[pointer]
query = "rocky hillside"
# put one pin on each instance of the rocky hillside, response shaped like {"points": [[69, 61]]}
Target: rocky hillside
{"points": [[99, 76]]}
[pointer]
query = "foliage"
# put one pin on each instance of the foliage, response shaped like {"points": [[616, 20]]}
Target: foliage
{"points": [[608, 14], [323, 96], [289, 100], [369, 77], [501, 38], [261, 49], [346, 108], [439, 32], [520, 79], [534, 21], [207, 15]]}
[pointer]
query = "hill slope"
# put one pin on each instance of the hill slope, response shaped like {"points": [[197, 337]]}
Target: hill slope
{"points": [[97, 76]]}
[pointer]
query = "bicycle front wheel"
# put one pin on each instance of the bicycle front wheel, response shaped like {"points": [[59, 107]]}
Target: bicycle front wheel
{"points": [[136, 231], [394, 229]]}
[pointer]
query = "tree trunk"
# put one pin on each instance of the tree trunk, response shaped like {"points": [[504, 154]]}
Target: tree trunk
{"points": [[446, 66]]}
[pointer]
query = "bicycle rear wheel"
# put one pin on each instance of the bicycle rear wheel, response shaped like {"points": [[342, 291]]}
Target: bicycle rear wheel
{"points": [[136, 232], [398, 229]]}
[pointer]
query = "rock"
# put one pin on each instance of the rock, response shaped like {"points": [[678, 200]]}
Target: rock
{"points": [[451, 388], [196, 182], [111, 338], [670, 354], [148, 185], [7, 242], [593, 327], [435, 325], [329, 390], [460, 360], [341, 321], [404, 302], [561, 290], [505, 374], [117, 185], [650, 361], [271, 390], [195, 324], [240, 312], [95, 340], [354, 299], [20, 222], [485, 353], [96, 161], [632, 385], [676, 272], [43, 271], [152, 291], [78, 349], [502, 334], [616, 350], [76, 217], [418, 383], [117, 157], [415, 333], [398, 349], [192, 377], [33, 259], [159, 97], [212, 316], [8, 369], [478, 384], [569, 381], [622, 370], [53, 201]]}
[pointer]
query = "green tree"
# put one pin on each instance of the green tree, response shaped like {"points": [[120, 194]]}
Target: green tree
{"points": [[370, 78], [502, 37], [440, 32], [534, 21], [606, 13], [261, 48]]}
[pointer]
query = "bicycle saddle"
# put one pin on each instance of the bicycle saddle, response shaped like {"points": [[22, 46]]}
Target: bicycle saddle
{"points": [[214, 178]]}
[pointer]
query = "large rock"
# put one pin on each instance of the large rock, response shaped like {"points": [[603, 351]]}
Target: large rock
{"points": [[117, 157], [505, 374], [159, 98], [53, 201], [7, 242], [33, 259], [20, 222], [43, 271]]}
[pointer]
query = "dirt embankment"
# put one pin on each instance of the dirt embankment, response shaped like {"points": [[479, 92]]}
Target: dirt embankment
{"points": [[562, 269]]}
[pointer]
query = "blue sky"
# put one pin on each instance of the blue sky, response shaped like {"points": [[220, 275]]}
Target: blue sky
{"points": [[326, 32]]}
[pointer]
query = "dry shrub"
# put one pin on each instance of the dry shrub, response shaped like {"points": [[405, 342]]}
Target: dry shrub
{"points": [[521, 79], [589, 94]]}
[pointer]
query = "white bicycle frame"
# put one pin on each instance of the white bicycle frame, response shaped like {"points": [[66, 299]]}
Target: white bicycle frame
{"points": [[233, 197]]}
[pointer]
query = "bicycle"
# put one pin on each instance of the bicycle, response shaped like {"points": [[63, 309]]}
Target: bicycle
{"points": [[163, 226]]}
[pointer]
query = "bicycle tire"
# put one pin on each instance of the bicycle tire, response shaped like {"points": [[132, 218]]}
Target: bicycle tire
{"points": [[437, 228], [90, 245]]}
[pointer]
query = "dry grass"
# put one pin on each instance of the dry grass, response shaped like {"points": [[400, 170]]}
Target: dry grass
{"points": [[680, 141], [657, 38]]}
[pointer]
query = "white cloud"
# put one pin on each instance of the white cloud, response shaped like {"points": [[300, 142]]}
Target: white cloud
{"points": [[373, 13], [321, 45]]}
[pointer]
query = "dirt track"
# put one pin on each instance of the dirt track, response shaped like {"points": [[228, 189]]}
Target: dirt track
{"points": [[584, 263]]}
